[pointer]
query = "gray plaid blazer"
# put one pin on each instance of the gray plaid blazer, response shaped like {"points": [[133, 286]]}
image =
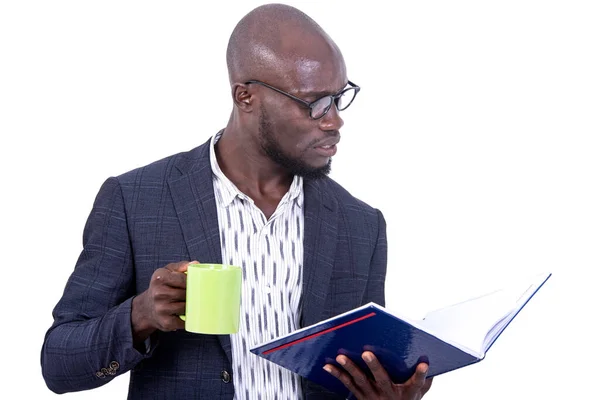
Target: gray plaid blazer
{"points": [[166, 212]]}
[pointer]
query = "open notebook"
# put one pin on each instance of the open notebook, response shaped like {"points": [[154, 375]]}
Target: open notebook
{"points": [[448, 338]]}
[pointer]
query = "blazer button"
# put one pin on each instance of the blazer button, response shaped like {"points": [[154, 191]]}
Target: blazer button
{"points": [[225, 376]]}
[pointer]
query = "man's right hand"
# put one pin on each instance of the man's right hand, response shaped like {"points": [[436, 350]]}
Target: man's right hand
{"points": [[161, 304]]}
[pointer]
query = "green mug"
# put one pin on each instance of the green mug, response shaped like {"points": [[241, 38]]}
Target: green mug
{"points": [[213, 296]]}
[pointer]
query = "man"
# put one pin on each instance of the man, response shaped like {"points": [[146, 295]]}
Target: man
{"points": [[255, 195]]}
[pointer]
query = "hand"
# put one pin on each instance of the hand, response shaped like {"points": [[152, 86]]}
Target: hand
{"points": [[161, 304], [382, 387]]}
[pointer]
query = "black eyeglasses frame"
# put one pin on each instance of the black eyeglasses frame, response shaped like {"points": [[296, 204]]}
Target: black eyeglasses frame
{"points": [[310, 105]]}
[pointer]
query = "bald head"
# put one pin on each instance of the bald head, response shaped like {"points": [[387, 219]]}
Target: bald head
{"points": [[275, 42]]}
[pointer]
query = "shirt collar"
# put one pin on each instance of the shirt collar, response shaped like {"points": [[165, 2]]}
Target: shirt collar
{"points": [[227, 191]]}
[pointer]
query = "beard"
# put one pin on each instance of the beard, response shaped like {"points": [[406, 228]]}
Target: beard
{"points": [[274, 151]]}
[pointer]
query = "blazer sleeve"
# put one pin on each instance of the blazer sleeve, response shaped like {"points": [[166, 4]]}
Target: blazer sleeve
{"points": [[90, 341], [375, 291]]}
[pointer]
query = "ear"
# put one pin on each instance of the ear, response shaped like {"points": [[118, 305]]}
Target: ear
{"points": [[242, 97]]}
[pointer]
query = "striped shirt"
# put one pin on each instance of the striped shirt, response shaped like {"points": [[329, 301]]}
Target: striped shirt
{"points": [[270, 253]]}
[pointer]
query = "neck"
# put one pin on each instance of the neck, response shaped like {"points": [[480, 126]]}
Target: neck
{"points": [[244, 162]]}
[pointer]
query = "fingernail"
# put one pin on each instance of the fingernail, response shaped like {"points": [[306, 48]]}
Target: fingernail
{"points": [[368, 357], [327, 368], [341, 360]]}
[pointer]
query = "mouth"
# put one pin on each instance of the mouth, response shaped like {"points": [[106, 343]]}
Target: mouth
{"points": [[327, 150]]}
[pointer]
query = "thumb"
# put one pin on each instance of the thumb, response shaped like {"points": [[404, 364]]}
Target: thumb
{"points": [[417, 381], [184, 266], [421, 373], [181, 266]]}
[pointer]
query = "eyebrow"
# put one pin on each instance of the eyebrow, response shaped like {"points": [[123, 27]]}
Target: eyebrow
{"points": [[322, 93]]}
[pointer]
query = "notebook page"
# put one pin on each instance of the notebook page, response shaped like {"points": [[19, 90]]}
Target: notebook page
{"points": [[469, 322]]}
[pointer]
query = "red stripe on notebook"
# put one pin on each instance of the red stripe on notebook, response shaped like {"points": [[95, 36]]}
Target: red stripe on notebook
{"points": [[283, 346]]}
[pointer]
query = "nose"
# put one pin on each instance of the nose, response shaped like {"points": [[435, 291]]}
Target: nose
{"points": [[332, 120]]}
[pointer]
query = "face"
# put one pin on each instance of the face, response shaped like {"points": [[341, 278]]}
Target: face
{"points": [[287, 134], [296, 164]]}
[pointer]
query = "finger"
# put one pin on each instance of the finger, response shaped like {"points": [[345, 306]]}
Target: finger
{"points": [[417, 381], [185, 265], [171, 276], [344, 378], [167, 294], [171, 323], [358, 376], [173, 309], [382, 379], [426, 386], [421, 373], [180, 266], [167, 315]]}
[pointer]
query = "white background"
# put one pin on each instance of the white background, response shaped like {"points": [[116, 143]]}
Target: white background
{"points": [[476, 133]]}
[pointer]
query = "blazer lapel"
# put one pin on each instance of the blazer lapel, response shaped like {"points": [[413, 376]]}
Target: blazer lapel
{"points": [[320, 233], [194, 199]]}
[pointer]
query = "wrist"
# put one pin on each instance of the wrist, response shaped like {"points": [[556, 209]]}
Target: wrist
{"points": [[141, 326]]}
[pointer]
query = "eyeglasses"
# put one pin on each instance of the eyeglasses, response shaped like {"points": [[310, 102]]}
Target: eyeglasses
{"points": [[321, 106]]}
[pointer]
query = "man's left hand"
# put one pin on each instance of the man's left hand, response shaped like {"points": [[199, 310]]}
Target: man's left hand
{"points": [[381, 387]]}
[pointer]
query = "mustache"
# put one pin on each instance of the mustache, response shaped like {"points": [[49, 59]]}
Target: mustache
{"points": [[331, 135]]}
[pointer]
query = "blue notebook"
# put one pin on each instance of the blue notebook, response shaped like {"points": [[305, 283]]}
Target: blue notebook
{"points": [[447, 339]]}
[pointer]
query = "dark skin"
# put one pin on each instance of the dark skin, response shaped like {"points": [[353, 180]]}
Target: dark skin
{"points": [[159, 307], [242, 159], [382, 386], [307, 64]]}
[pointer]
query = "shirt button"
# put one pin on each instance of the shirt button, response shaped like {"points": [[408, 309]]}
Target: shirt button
{"points": [[225, 377]]}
